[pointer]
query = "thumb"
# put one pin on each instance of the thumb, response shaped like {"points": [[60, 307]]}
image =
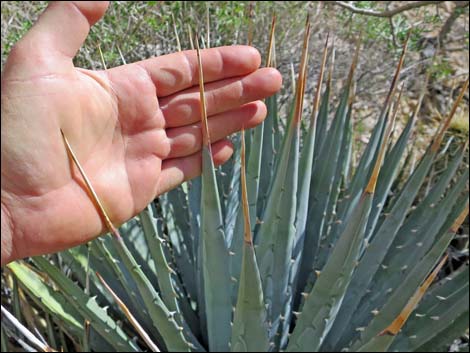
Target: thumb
{"points": [[63, 27]]}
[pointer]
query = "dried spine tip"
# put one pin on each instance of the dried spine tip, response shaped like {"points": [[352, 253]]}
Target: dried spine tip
{"points": [[129, 316], [370, 189], [460, 219], [250, 24], [332, 63], [440, 135], [316, 101], [401, 319], [271, 42], [375, 174], [90, 188], [301, 79], [246, 208], [354, 62], [205, 126]]}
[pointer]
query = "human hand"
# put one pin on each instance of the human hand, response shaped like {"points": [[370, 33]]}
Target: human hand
{"points": [[135, 128]]}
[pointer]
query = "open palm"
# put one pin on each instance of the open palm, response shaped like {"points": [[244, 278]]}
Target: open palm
{"points": [[135, 128]]}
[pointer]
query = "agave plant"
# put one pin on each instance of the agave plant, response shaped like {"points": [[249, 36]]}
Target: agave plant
{"points": [[290, 247]]}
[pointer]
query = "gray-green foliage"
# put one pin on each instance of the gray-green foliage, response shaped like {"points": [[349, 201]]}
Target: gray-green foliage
{"points": [[182, 264]]}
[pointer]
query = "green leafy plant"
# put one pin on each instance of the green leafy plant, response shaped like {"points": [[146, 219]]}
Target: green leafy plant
{"points": [[288, 247]]}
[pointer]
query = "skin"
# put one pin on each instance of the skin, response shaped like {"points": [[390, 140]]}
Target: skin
{"points": [[135, 128]]}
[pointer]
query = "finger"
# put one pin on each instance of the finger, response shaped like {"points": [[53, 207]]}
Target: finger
{"points": [[177, 170], [184, 108], [63, 27], [187, 140], [175, 72]]}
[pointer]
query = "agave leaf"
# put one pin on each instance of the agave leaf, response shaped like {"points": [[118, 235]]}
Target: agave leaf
{"points": [[236, 255], [277, 232], [323, 302], [173, 296], [421, 238], [194, 197], [51, 335], [351, 196], [400, 297], [218, 304], [253, 172], [223, 183], [305, 174], [250, 329], [16, 299], [425, 221], [443, 317], [379, 343], [4, 341], [108, 252], [88, 308], [376, 251], [343, 172], [214, 251], [419, 218], [390, 169], [270, 141], [233, 200], [165, 277], [440, 295], [104, 255], [194, 201], [135, 241], [389, 277], [391, 166], [51, 301], [254, 160], [162, 319], [322, 119], [76, 259], [144, 335], [368, 158], [177, 221], [323, 174], [382, 342], [306, 166], [164, 272], [330, 215], [178, 201], [270, 149], [454, 326]]}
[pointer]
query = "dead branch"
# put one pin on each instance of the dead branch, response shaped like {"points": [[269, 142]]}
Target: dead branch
{"points": [[386, 13]]}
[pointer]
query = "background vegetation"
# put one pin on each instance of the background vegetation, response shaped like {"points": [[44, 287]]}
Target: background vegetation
{"points": [[134, 31]]}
